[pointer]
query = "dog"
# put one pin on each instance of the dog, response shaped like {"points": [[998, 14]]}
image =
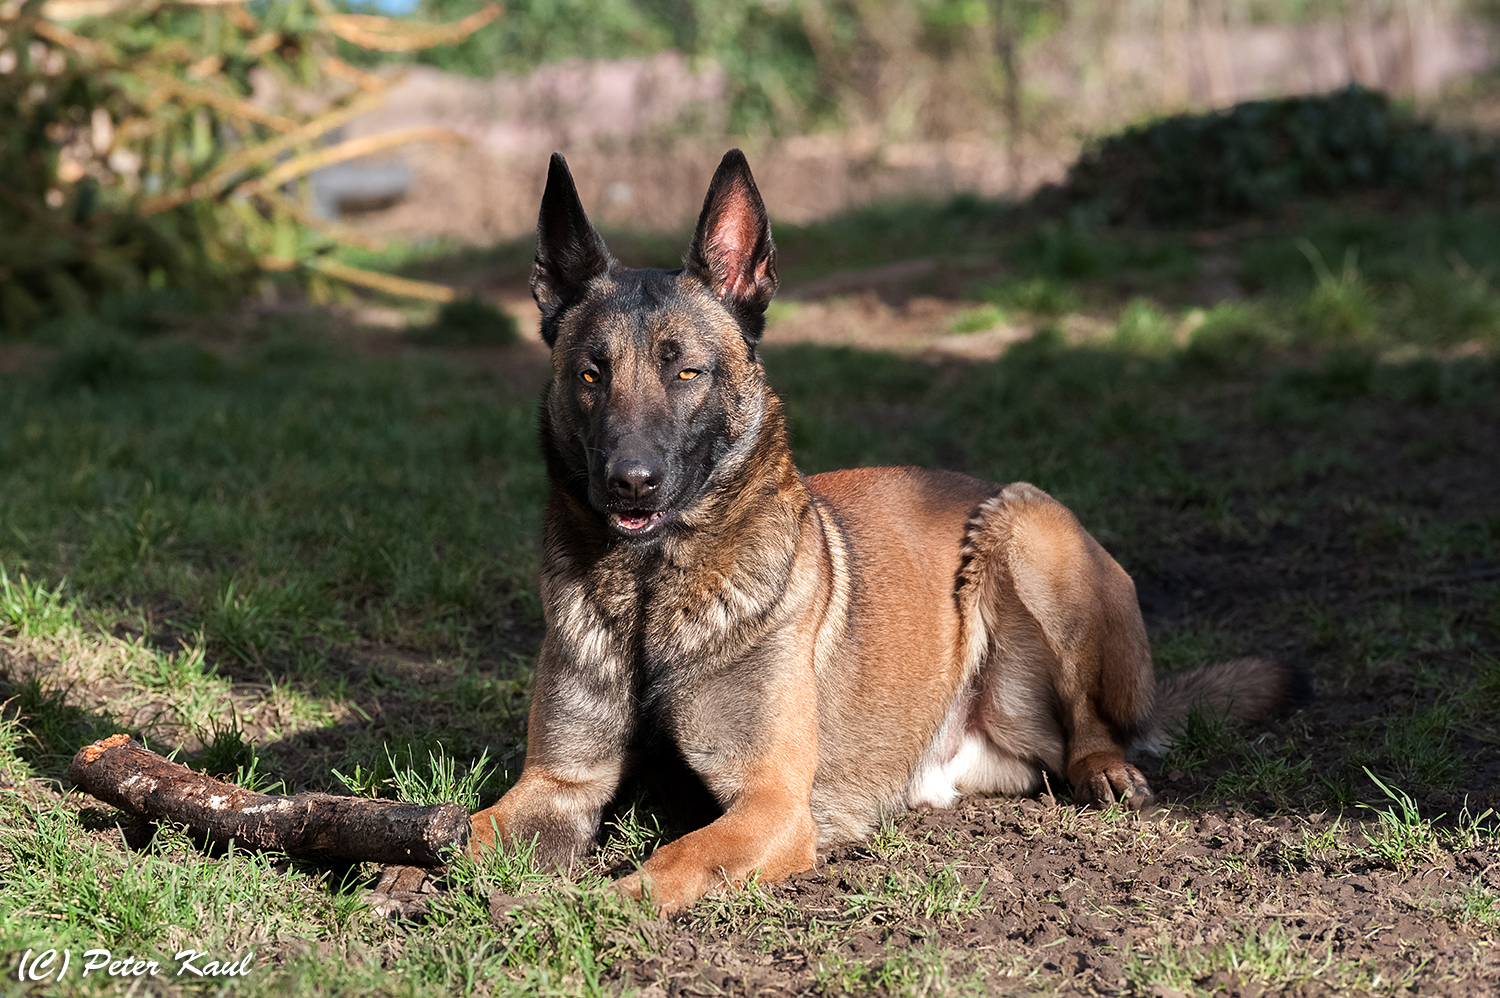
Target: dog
{"points": [[820, 651]]}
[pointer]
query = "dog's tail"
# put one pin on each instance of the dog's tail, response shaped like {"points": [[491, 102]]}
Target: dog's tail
{"points": [[1244, 691]]}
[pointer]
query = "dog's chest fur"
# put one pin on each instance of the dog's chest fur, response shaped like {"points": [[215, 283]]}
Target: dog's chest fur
{"points": [[678, 625]]}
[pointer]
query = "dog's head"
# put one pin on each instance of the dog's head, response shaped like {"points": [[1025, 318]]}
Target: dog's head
{"points": [[656, 387]]}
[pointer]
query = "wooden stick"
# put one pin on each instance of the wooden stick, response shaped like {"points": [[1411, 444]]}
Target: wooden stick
{"points": [[119, 771]]}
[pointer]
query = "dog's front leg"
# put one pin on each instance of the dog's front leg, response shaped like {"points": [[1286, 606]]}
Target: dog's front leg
{"points": [[577, 736], [769, 831], [558, 809], [767, 827]]}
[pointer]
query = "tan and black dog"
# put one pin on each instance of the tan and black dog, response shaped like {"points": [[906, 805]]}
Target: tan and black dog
{"points": [[820, 651]]}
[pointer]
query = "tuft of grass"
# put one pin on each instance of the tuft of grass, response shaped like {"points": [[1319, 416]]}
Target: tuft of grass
{"points": [[96, 360], [561, 942], [1037, 295], [180, 671], [437, 781], [977, 320], [56, 727], [1329, 842], [1200, 737], [1063, 251], [1281, 779], [227, 756], [1269, 957], [1233, 337], [634, 832], [922, 972], [1421, 747], [1341, 308], [1476, 905], [890, 842], [755, 910], [900, 894], [1402, 838], [13, 734], [1443, 306], [1145, 329], [1485, 701], [511, 870], [30, 609]]}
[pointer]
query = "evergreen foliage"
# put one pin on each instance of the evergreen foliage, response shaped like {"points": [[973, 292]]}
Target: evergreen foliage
{"points": [[140, 149]]}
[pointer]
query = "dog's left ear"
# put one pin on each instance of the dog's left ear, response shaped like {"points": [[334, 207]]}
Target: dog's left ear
{"points": [[732, 251]]}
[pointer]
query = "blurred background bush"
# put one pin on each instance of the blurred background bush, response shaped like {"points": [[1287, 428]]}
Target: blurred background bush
{"points": [[154, 155]]}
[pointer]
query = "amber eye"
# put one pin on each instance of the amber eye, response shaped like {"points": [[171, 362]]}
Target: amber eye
{"points": [[688, 375], [590, 377]]}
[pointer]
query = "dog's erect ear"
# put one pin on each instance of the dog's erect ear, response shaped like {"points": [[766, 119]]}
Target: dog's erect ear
{"points": [[569, 253], [732, 251]]}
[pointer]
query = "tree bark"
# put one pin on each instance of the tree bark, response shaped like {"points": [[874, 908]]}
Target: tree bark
{"points": [[120, 772], [1006, 30]]}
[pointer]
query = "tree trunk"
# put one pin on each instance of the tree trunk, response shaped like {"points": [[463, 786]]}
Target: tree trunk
{"points": [[1007, 28]]}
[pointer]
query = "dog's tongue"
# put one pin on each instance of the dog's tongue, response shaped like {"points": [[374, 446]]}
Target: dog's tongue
{"points": [[635, 521]]}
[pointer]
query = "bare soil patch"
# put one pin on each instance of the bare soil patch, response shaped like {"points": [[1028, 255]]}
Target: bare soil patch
{"points": [[1063, 901]]}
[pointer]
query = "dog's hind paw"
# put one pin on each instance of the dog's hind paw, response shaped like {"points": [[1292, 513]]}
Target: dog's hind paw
{"points": [[1116, 782]]}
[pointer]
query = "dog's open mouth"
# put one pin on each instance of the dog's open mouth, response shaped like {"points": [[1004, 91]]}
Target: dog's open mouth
{"points": [[639, 522]]}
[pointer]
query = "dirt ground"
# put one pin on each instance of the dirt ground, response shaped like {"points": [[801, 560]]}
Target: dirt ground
{"points": [[1059, 899]]}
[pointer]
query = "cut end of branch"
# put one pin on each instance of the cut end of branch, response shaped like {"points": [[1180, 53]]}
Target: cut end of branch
{"points": [[89, 753]]}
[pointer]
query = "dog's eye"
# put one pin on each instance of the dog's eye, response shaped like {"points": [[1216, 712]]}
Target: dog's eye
{"points": [[688, 375], [589, 377]]}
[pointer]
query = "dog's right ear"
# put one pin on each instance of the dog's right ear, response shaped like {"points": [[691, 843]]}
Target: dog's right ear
{"points": [[569, 253]]}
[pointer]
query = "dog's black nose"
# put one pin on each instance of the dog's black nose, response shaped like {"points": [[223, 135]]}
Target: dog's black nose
{"points": [[633, 478]]}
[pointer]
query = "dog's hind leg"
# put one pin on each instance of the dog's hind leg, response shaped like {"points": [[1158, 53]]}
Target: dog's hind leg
{"points": [[1067, 646]]}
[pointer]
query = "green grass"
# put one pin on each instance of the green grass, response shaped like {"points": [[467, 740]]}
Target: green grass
{"points": [[402, 482], [31, 609], [1270, 958], [437, 780], [904, 894], [977, 320], [1401, 837]]}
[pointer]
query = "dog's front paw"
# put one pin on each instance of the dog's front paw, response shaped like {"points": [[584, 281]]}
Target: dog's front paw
{"points": [[1114, 781], [484, 835], [633, 886], [645, 890], [663, 894]]}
